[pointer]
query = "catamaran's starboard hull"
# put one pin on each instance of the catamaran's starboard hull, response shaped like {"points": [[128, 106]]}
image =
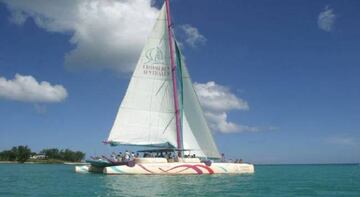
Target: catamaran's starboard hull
{"points": [[180, 169]]}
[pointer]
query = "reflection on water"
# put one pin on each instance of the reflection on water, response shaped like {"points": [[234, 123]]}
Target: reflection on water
{"points": [[155, 185], [288, 180]]}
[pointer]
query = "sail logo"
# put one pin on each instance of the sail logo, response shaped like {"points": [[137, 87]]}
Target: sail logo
{"points": [[154, 56], [154, 63], [156, 70]]}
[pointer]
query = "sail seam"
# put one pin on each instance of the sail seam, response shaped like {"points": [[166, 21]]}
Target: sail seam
{"points": [[152, 78], [168, 112]]}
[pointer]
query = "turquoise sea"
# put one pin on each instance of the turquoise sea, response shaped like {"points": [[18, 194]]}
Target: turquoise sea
{"points": [[269, 180]]}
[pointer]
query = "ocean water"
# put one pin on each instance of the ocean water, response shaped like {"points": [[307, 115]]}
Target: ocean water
{"points": [[268, 180]]}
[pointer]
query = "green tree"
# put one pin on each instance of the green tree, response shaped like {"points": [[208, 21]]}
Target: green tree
{"points": [[51, 153], [7, 155], [22, 153], [79, 156], [19, 153], [64, 154]]}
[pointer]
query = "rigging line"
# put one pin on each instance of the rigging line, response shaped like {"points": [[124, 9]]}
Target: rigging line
{"points": [[162, 100], [160, 88], [168, 124], [150, 112]]}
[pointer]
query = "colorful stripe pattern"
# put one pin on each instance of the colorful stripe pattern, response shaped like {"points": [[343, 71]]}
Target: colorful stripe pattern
{"points": [[197, 169]]}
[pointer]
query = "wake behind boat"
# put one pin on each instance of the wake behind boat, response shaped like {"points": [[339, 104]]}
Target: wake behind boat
{"points": [[161, 110]]}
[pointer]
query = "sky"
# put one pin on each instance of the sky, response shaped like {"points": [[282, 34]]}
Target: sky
{"points": [[278, 80]]}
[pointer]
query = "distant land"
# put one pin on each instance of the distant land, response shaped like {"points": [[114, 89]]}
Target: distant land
{"points": [[23, 154]]}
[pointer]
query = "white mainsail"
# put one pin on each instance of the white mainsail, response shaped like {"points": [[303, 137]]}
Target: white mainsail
{"points": [[146, 115]]}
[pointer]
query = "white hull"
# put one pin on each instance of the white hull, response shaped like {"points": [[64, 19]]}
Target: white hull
{"points": [[88, 168], [179, 168]]}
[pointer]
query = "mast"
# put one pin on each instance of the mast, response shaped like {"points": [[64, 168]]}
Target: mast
{"points": [[173, 74]]}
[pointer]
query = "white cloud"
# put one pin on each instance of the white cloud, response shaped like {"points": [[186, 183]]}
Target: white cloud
{"points": [[217, 101], [106, 34], [193, 36], [218, 121], [27, 89], [326, 19], [218, 98]]}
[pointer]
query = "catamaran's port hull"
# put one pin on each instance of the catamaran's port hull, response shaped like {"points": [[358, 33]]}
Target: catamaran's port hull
{"points": [[88, 168], [180, 169]]}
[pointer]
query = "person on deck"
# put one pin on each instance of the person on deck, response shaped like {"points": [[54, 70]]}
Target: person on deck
{"points": [[119, 156], [127, 156], [113, 156], [168, 155], [222, 157]]}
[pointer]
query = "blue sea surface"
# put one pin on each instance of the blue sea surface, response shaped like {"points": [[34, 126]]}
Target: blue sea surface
{"points": [[268, 180]]}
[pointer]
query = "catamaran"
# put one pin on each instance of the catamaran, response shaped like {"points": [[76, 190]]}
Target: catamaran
{"points": [[161, 110]]}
